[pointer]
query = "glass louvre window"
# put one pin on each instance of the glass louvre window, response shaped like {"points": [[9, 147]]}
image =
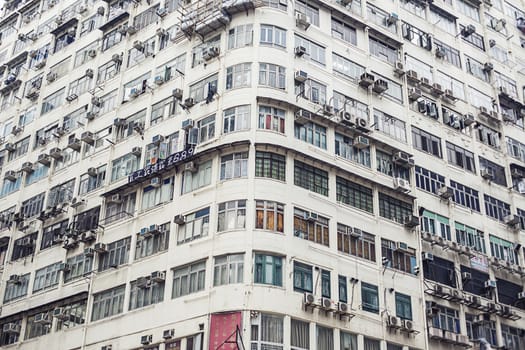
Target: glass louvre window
{"points": [[311, 133], [393, 209], [311, 227], [310, 178], [273, 36], [496, 208], [270, 165], [228, 269], [268, 269], [269, 215], [356, 242], [234, 165], [354, 194], [18, 290], [465, 196], [503, 249], [189, 279], [232, 215], [300, 335]]}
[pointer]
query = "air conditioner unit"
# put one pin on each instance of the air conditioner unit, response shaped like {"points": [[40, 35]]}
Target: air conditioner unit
{"points": [[503, 91], [411, 221], [100, 248], [88, 236], [511, 220], [393, 321], [119, 122], [177, 93], [302, 116], [301, 20], [55, 153], [154, 229], [131, 30], [73, 143], [92, 53], [380, 86], [210, 53], [136, 151], [437, 89], [399, 68], [440, 52], [326, 304], [11, 175], [44, 159], [189, 102], [490, 284], [89, 251], [11, 328], [143, 282], [301, 76], [328, 110], [87, 137], [89, 73], [401, 184], [51, 76], [446, 192], [144, 232], [157, 139], [138, 45], [425, 82], [462, 339], [10, 147], [116, 58], [168, 333], [300, 51], [521, 295], [428, 256], [64, 267], [343, 308], [412, 76], [468, 119], [14, 279], [159, 80], [161, 12], [146, 339], [402, 158], [179, 219], [391, 19], [488, 67], [115, 198], [366, 79], [361, 124], [60, 313], [517, 173], [468, 30], [483, 111], [90, 115], [361, 142], [407, 325], [155, 182], [487, 173], [191, 166], [33, 93], [506, 116], [27, 167], [449, 94], [347, 118], [158, 276], [414, 93], [41, 64], [401, 246]]}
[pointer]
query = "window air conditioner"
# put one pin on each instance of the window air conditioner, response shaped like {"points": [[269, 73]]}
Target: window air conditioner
{"points": [[401, 184]]}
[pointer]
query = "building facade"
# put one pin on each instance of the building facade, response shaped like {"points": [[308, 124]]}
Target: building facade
{"points": [[146, 148]]}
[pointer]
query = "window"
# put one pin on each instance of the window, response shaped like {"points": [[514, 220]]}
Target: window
{"points": [[476, 69], [342, 289], [171, 69], [108, 71], [325, 338], [9, 187], [451, 55], [354, 194], [311, 133], [240, 36], [69, 157], [52, 234], [465, 196], [385, 164], [382, 50], [121, 209], [272, 75], [426, 142], [311, 90], [271, 118], [150, 294], [403, 306], [52, 101], [39, 172], [273, 36], [436, 225], [443, 20], [299, 335], [470, 237], [461, 157], [516, 149], [196, 225], [189, 279], [228, 269], [503, 249], [474, 39], [446, 318], [402, 259], [113, 38], [192, 181], [236, 119], [269, 215], [79, 86], [356, 242], [497, 170], [238, 76], [344, 147], [393, 209], [21, 148], [234, 165], [32, 206], [369, 298], [496, 208], [75, 119], [348, 341], [232, 215], [468, 9], [76, 315], [163, 109], [423, 70], [150, 244], [145, 18], [157, 195], [344, 31], [204, 90], [512, 337], [314, 52], [447, 82], [311, 227], [347, 68], [390, 126], [108, 303], [129, 126], [311, 13], [206, 128], [17, 290], [79, 266], [124, 166], [267, 332], [65, 39], [90, 24], [117, 253], [488, 136], [46, 277], [37, 329], [90, 183], [24, 246], [270, 165], [197, 53], [379, 17], [310, 178], [268, 269], [302, 277]]}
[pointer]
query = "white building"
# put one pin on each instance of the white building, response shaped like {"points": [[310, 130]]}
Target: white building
{"points": [[282, 174]]}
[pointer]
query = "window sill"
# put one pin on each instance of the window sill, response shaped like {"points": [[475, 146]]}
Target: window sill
{"points": [[233, 230], [269, 231], [235, 131], [282, 182], [222, 181], [275, 88], [271, 131], [147, 257]]}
